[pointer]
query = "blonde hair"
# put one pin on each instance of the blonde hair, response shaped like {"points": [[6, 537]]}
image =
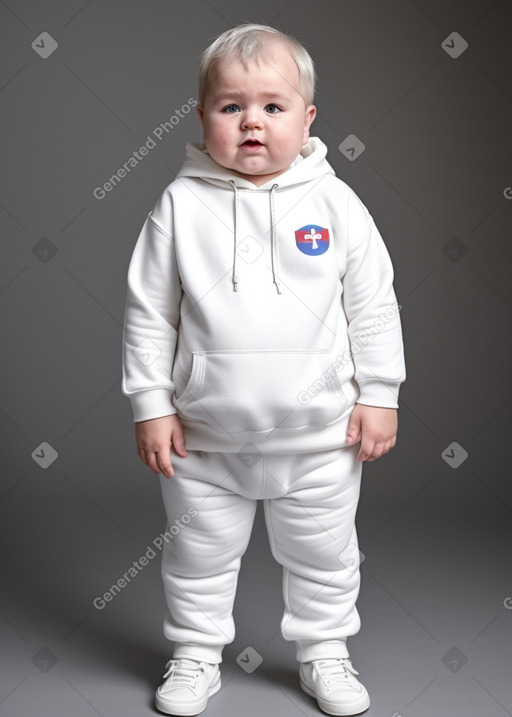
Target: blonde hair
{"points": [[248, 42]]}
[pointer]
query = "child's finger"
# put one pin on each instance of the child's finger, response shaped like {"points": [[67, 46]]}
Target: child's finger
{"points": [[165, 464], [365, 450], [178, 441], [150, 460], [354, 427], [377, 452], [380, 449], [353, 432], [178, 444]]}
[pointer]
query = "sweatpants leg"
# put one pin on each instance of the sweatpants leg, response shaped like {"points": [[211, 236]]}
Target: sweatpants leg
{"points": [[310, 502], [200, 565], [312, 534]]}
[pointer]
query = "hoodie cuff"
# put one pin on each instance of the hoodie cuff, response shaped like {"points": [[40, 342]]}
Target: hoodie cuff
{"points": [[379, 393], [151, 403]]}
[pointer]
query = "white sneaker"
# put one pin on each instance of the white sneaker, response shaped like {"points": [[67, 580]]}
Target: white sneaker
{"points": [[187, 687], [333, 684]]}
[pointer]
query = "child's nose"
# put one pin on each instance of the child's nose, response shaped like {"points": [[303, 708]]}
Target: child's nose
{"points": [[252, 119]]}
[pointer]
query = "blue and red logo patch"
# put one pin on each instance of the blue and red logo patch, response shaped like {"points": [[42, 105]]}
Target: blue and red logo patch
{"points": [[312, 239]]}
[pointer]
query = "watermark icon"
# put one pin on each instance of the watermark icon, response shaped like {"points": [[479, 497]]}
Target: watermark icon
{"points": [[44, 249], [357, 344], [249, 455], [507, 192], [147, 352], [138, 566], [454, 455], [351, 147], [454, 659], [159, 132], [45, 45], [454, 45], [249, 659], [44, 455], [454, 249], [44, 659], [351, 557], [508, 603], [249, 249]]}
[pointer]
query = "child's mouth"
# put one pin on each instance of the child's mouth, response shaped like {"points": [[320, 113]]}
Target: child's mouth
{"points": [[252, 143]]}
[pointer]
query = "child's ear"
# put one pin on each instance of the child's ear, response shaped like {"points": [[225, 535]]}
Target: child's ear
{"points": [[200, 112], [308, 121]]}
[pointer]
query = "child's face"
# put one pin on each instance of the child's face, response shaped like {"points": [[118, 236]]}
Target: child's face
{"points": [[255, 120]]}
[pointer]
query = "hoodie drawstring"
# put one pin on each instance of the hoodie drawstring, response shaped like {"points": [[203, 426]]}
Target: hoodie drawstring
{"points": [[274, 248], [234, 277], [273, 238]]}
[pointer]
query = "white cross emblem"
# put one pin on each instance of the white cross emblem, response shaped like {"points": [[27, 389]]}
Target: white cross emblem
{"points": [[313, 238]]}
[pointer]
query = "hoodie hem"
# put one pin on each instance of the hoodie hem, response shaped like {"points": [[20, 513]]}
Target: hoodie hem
{"points": [[308, 439]]}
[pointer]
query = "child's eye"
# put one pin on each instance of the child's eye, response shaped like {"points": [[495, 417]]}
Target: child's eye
{"points": [[231, 109], [272, 109]]}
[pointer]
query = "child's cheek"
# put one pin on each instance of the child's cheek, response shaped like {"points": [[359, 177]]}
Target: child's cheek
{"points": [[221, 135], [211, 135]]}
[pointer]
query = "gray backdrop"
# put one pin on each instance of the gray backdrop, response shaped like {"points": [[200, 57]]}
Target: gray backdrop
{"points": [[424, 88]]}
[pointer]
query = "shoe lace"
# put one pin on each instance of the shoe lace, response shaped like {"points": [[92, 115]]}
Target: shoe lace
{"points": [[183, 670], [339, 670]]}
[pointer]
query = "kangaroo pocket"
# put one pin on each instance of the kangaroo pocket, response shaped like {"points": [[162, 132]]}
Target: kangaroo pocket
{"points": [[235, 391]]}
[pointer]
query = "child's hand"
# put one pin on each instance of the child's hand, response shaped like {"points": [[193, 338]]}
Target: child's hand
{"points": [[375, 427], [154, 440]]}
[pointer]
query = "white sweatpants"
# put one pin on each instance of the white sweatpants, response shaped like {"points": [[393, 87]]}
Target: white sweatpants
{"points": [[310, 502]]}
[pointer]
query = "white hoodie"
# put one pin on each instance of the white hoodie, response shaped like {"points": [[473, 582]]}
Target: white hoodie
{"points": [[260, 314]]}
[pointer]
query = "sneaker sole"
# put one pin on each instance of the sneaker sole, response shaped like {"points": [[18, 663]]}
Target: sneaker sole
{"points": [[337, 708], [187, 709]]}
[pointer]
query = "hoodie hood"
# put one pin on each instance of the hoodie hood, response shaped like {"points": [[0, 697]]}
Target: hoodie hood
{"points": [[310, 164]]}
